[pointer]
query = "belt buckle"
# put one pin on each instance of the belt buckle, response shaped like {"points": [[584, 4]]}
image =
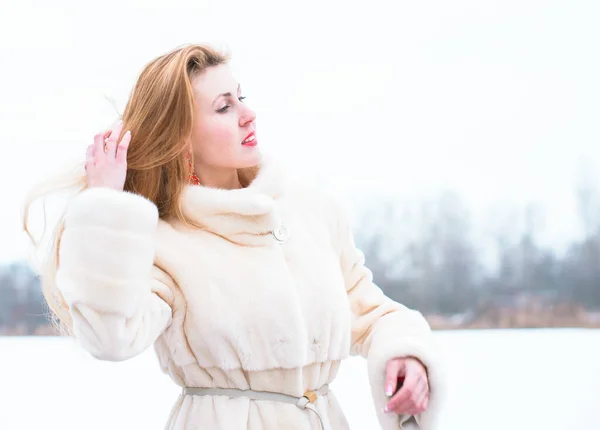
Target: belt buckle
{"points": [[311, 396]]}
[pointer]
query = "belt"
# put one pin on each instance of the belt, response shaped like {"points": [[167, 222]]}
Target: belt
{"points": [[306, 402]]}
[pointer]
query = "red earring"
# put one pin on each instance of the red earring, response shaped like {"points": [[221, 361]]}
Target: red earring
{"points": [[192, 178]]}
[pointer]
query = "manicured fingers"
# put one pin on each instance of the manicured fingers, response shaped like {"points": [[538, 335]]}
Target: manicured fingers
{"points": [[122, 148], [402, 399], [421, 394], [110, 143], [392, 371]]}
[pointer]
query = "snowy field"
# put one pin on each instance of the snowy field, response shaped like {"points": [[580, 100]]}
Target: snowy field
{"points": [[501, 380]]}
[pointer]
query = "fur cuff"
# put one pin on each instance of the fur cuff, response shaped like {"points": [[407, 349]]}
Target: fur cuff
{"points": [[118, 210], [104, 294], [107, 250], [387, 347]]}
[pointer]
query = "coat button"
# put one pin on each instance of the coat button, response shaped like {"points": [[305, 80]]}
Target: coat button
{"points": [[281, 234]]}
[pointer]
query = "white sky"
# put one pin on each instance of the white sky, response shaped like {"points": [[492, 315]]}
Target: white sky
{"points": [[497, 100]]}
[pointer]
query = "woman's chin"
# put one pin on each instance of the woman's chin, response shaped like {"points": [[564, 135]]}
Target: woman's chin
{"points": [[250, 158]]}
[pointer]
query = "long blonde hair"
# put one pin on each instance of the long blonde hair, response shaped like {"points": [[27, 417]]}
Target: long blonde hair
{"points": [[159, 114]]}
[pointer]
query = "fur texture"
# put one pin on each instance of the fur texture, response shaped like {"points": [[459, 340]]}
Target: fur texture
{"points": [[230, 306]]}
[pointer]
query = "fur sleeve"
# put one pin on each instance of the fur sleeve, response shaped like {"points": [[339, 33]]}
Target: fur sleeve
{"points": [[383, 329], [118, 299]]}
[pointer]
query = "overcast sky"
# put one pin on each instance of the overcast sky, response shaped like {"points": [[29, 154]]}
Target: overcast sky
{"points": [[496, 100]]}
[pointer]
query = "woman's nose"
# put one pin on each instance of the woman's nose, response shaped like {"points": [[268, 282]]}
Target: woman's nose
{"points": [[247, 116]]}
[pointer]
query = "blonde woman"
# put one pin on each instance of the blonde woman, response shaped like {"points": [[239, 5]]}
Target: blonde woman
{"points": [[183, 236]]}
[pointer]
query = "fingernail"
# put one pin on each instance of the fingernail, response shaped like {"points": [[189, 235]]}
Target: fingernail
{"points": [[389, 391], [385, 410]]}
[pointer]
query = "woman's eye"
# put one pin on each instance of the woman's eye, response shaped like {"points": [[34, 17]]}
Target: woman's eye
{"points": [[224, 108]]}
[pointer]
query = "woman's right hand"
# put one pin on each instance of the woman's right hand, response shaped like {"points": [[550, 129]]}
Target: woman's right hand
{"points": [[106, 159]]}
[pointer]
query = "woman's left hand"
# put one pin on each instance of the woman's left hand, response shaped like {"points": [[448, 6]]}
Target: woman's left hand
{"points": [[413, 396]]}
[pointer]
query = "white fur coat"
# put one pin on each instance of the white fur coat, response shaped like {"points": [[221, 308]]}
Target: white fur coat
{"points": [[271, 295]]}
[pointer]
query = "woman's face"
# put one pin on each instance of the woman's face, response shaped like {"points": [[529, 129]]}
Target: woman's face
{"points": [[224, 127]]}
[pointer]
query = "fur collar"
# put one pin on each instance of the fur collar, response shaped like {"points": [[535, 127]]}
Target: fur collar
{"points": [[247, 216]]}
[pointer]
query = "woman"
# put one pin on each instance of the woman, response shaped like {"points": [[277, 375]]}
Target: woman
{"points": [[182, 235]]}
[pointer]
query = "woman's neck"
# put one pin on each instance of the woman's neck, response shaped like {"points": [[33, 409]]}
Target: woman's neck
{"points": [[222, 178]]}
